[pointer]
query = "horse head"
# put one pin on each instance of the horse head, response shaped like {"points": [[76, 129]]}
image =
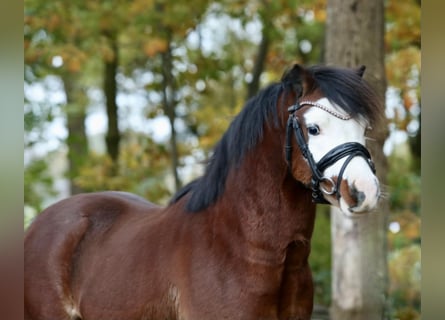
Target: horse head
{"points": [[328, 116]]}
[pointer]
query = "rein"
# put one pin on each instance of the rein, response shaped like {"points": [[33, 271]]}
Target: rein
{"points": [[348, 149]]}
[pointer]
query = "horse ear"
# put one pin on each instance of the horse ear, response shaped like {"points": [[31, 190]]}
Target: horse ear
{"points": [[361, 70], [299, 79]]}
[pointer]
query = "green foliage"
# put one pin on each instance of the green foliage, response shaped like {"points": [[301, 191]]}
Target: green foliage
{"points": [[404, 261], [405, 275], [402, 44], [320, 258], [402, 62], [404, 182], [141, 169], [38, 184]]}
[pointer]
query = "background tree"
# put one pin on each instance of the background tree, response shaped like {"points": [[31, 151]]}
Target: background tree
{"points": [[66, 43], [402, 43], [354, 36], [402, 46], [201, 61]]}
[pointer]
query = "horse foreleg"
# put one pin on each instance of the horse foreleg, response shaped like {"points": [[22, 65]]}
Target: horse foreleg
{"points": [[296, 294]]}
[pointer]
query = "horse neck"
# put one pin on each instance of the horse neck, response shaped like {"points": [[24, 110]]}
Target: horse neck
{"points": [[269, 208]]}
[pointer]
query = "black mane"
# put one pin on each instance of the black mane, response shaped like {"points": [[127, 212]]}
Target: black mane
{"points": [[347, 89], [344, 87], [242, 135]]}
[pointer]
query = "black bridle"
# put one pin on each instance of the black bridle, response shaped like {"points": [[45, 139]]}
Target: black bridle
{"points": [[348, 149]]}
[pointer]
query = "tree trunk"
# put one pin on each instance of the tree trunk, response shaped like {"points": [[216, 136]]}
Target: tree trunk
{"points": [[169, 91], [260, 59], [75, 115], [253, 86], [113, 137], [168, 96], [354, 37]]}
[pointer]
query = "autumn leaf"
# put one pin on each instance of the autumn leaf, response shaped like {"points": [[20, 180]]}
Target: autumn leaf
{"points": [[154, 46]]}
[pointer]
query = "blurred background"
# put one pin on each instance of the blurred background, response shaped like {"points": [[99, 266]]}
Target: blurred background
{"points": [[133, 95]]}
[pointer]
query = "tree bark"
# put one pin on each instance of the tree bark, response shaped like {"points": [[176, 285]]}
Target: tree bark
{"points": [[169, 91], [354, 37], [75, 115], [253, 86], [113, 136], [263, 48], [168, 96]]}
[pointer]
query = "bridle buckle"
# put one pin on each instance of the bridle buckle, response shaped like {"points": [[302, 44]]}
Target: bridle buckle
{"points": [[331, 190]]}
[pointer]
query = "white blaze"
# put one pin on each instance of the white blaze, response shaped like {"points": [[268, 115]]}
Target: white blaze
{"points": [[333, 132]]}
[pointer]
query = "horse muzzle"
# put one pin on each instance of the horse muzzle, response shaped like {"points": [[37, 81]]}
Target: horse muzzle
{"points": [[357, 191]]}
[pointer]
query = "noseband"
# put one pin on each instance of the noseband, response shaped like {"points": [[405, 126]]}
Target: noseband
{"points": [[348, 149]]}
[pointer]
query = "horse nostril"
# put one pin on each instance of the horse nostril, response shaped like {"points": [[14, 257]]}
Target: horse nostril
{"points": [[359, 196]]}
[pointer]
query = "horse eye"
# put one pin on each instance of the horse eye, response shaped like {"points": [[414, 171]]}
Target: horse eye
{"points": [[313, 130]]}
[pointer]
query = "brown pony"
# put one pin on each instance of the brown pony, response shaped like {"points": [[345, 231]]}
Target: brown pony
{"points": [[233, 244]]}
